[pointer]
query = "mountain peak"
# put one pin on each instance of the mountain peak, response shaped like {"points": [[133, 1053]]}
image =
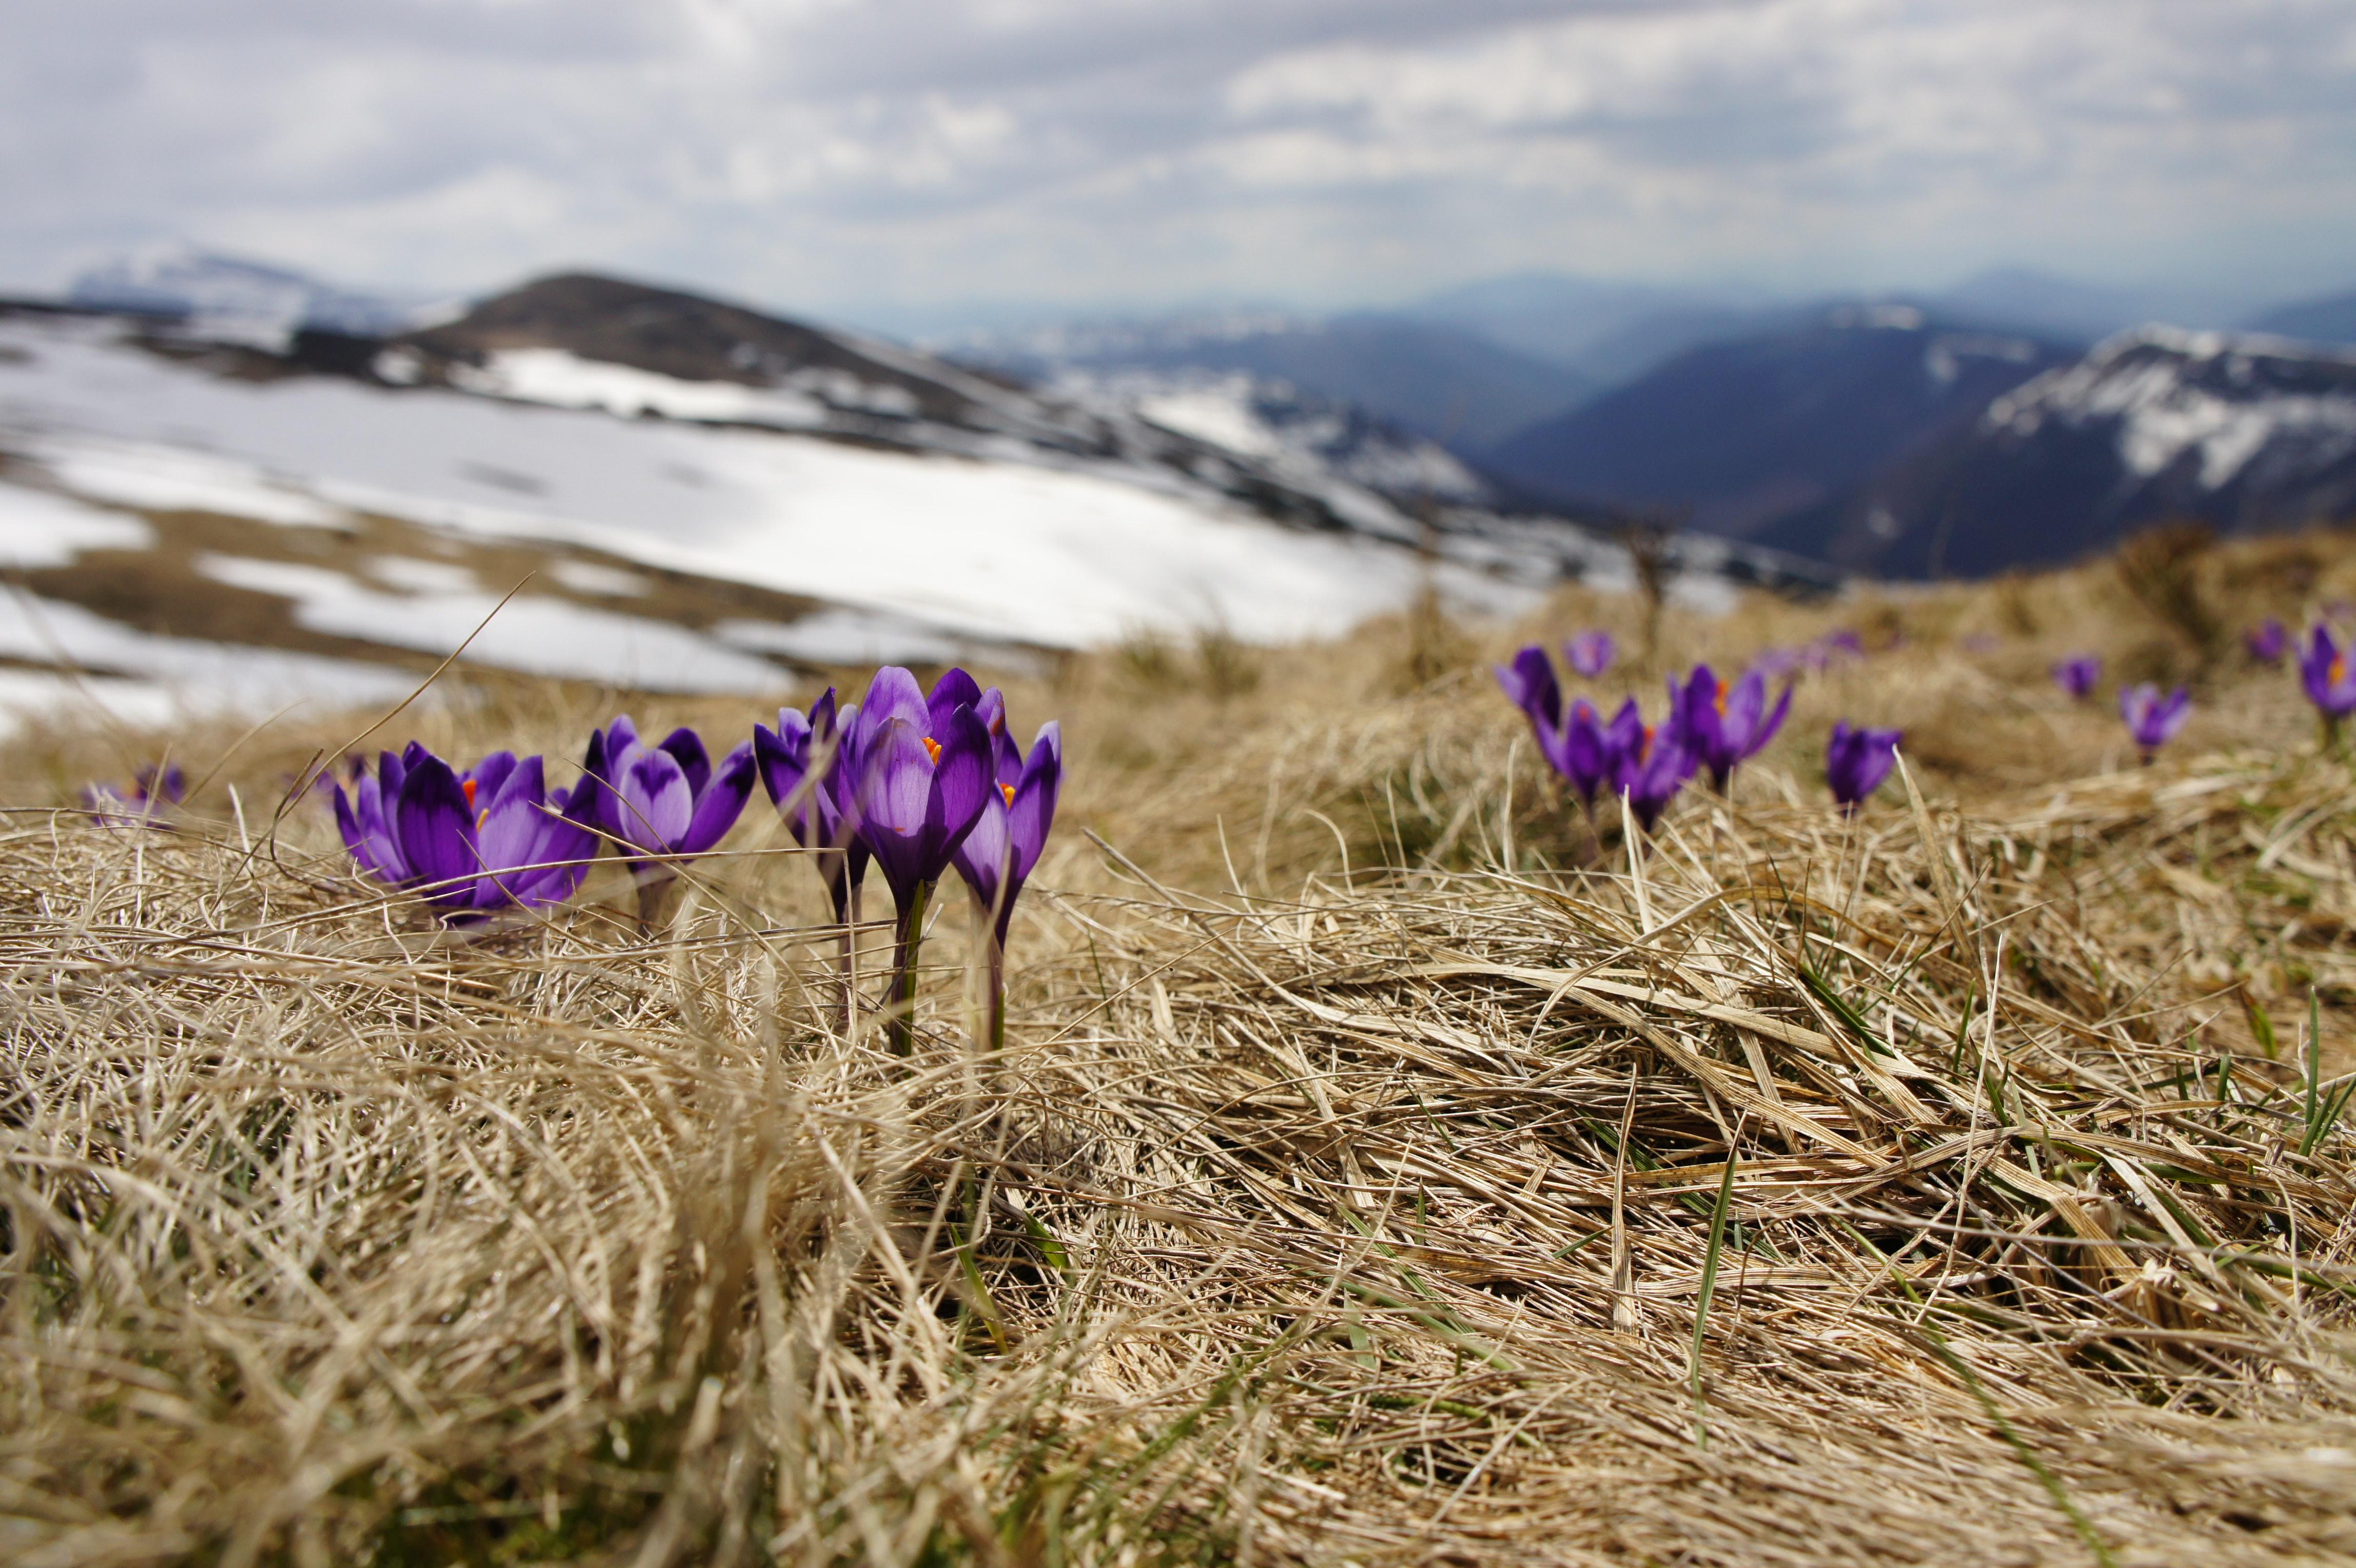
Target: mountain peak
{"points": [[233, 297]]}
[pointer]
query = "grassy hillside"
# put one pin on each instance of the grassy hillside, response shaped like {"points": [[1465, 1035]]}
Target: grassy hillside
{"points": [[1380, 1169]]}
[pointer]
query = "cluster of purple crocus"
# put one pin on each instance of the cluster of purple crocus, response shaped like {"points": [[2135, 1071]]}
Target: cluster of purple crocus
{"points": [[915, 784], [1709, 724], [911, 783]]}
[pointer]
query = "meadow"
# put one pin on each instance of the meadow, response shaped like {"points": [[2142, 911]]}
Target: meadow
{"points": [[1380, 1166]]}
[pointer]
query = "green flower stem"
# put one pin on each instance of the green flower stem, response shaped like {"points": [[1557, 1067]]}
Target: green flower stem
{"points": [[900, 1006]]}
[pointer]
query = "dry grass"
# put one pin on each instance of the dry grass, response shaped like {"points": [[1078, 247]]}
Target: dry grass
{"points": [[1376, 1173]]}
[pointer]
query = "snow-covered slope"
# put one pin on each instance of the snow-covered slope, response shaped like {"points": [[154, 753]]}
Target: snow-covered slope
{"points": [[2243, 431], [379, 524]]}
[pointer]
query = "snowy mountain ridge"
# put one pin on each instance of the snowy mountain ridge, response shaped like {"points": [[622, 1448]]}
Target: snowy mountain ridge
{"points": [[2226, 398], [229, 299]]}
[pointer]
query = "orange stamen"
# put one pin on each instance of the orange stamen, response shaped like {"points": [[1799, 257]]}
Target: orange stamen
{"points": [[933, 748], [1008, 790], [2338, 668], [468, 786], [1722, 697]]}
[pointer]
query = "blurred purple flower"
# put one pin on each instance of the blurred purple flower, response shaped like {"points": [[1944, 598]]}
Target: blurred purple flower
{"points": [[469, 842], [2152, 719], [1650, 769], [2267, 642], [1844, 643], [2323, 671], [1719, 728], [1775, 663], [1590, 653], [1583, 751], [2077, 676], [1857, 760], [1982, 642], [152, 791], [1529, 684]]}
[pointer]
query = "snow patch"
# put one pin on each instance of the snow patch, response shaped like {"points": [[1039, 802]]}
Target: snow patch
{"points": [[563, 380], [604, 582], [41, 528], [412, 575], [183, 676], [532, 635], [846, 636]]}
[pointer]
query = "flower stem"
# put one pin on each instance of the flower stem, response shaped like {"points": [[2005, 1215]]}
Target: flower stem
{"points": [[996, 952], [900, 1006], [651, 890]]}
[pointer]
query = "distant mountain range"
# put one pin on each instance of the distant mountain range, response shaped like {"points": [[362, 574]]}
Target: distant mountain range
{"points": [[1444, 380], [1736, 437], [2246, 433]]}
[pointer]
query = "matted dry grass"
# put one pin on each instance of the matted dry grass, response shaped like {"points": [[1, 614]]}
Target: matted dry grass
{"points": [[1376, 1173]]}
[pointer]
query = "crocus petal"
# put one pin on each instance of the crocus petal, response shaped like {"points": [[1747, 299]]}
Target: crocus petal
{"points": [[1529, 684], [1774, 721], [488, 777], [893, 694], [782, 759], [717, 809], [1033, 812], [508, 831], [895, 798], [436, 831], [954, 690], [686, 749], [986, 857], [655, 804], [364, 834], [962, 783]]}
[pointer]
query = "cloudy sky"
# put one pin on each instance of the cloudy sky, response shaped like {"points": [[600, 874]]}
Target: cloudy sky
{"points": [[894, 157]]}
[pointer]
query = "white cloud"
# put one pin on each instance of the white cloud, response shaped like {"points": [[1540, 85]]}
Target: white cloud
{"points": [[826, 154]]}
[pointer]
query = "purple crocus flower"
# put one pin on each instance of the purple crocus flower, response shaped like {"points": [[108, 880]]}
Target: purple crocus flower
{"points": [[2267, 642], [470, 843], [2323, 669], [1529, 684], [919, 775], [1590, 653], [1650, 769], [1583, 751], [1719, 727], [814, 806], [920, 769], [2077, 676], [665, 801], [2152, 719], [1857, 760], [998, 855]]}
